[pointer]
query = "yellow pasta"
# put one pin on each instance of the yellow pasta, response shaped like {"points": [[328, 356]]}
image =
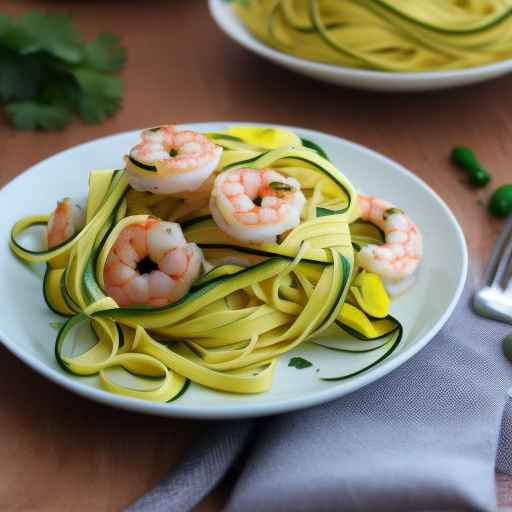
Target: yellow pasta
{"points": [[386, 35], [227, 332]]}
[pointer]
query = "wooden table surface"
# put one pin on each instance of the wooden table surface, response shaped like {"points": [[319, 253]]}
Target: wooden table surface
{"points": [[61, 452]]}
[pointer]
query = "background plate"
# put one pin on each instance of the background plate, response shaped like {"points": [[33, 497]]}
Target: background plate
{"points": [[24, 323], [229, 22]]}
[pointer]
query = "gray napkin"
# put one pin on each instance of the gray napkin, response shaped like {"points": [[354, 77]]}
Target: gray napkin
{"points": [[423, 438]]}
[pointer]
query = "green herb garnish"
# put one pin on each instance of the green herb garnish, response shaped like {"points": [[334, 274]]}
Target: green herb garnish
{"points": [[507, 347], [56, 325], [391, 211], [500, 204], [48, 74], [466, 159], [299, 363], [279, 186]]}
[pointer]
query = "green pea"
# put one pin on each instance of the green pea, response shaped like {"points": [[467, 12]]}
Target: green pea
{"points": [[507, 347], [465, 158], [500, 204]]}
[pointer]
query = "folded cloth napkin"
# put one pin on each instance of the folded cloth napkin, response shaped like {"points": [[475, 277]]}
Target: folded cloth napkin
{"points": [[425, 437]]}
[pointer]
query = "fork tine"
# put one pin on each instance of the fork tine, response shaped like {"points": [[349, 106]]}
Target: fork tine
{"points": [[508, 290], [502, 271], [508, 283], [498, 264]]}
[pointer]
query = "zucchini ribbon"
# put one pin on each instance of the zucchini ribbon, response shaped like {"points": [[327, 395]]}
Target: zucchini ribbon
{"points": [[237, 319], [386, 35]]}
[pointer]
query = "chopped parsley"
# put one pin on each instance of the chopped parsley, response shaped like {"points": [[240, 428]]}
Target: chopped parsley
{"points": [[278, 185], [299, 363], [391, 211]]}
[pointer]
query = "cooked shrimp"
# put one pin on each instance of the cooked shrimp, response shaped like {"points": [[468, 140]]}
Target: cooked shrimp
{"points": [[398, 258], [256, 205], [151, 263], [183, 160], [64, 222]]}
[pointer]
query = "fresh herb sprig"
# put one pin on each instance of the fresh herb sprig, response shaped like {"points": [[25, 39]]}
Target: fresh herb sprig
{"points": [[48, 74], [299, 362]]}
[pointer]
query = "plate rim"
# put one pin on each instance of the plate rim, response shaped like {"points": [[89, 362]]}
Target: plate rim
{"points": [[254, 44], [237, 411]]}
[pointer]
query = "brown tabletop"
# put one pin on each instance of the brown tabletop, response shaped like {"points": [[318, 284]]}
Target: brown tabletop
{"points": [[61, 452]]}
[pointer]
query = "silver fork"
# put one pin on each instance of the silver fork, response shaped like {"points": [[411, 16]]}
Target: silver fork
{"points": [[494, 300]]}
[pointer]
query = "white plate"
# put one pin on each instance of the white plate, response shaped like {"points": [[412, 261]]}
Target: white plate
{"points": [[229, 22], [24, 322]]}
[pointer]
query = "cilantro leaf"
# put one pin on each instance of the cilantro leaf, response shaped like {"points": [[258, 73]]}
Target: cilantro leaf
{"points": [[101, 95], [47, 74], [5, 24], [53, 33], [299, 363], [20, 76], [61, 89], [105, 53], [30, 115]]}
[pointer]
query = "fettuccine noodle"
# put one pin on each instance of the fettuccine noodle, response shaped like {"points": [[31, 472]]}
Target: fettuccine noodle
{"points": [[387, 35], [256, 303]]}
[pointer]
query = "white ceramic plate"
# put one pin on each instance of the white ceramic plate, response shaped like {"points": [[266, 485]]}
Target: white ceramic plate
{"points": [[24, 322], [229, 22]]}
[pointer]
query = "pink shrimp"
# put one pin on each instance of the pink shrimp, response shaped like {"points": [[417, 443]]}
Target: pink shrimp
{"points": [[398, 258], [183, 160], [256, 205], [64, 222], [151, 263]]}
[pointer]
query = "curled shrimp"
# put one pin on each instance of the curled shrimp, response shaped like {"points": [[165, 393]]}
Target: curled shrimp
{"points": [[398, 258], [256, 205], [64, 222], [183, 160], [151, 263]]}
